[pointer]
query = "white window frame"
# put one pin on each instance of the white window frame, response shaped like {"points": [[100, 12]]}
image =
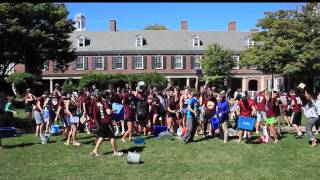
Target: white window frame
{"points": [[135, 62], [250, 42], [236, 59], [45, 66], [196, 39], [155, 58], [102, 60], [195, 58], [175, 62], [82, 58], [278, 82], [121, 62], [83, 39], [139, 41]]}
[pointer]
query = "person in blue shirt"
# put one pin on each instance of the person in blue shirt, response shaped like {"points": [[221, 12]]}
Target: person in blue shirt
{"points": [[223, 110], [191, 123]]}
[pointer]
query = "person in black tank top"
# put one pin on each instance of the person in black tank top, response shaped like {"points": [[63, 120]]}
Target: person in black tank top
{"points": [[71, 125]]}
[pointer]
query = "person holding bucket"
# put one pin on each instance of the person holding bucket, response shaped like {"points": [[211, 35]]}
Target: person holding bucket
{"points": [[71, 120], [102, 114], [191, 119], [246, 108], [223, 110]]}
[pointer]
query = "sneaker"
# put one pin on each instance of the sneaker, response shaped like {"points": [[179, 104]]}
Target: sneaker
{"points": [[76, 144], [119, 154], [67, 143]]}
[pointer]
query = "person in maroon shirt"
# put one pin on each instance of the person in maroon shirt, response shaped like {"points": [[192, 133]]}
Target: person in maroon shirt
{"points": [[177, 104], [85, 102], [128, 116], [171, 109], [260, 101], [154, 113], [272, 112], [102, 114], [245, 108], [209, 105], [285, 108], [297, 112]]}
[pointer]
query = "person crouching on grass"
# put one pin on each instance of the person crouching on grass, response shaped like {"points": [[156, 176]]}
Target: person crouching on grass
{"points": [[271, 112], [191, 122], [102, 115]]}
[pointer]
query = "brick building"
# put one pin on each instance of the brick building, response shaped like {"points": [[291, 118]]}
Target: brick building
{"points": [[173, 53]]}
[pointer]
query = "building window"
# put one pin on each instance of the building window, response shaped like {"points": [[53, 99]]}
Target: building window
{"points": [[118, 62], [81, 42], [139, 41], [250, 42], [253, 85], [158, 61], [236, 59], [178, 62], [138, 62], [278, 84], [80, 63], [46, 66], [196, 41], [98, 62], [197, 61]]}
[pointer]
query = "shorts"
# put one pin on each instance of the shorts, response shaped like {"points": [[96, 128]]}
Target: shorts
{"points": [[105, 131], [128, 119], [142, 119], [38, 117], [171, 115], [207, 117], [288, 112], [296, 119], [261, 115], [28, 108], [271, 120], [67, 123]]}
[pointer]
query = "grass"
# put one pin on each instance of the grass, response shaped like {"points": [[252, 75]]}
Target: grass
{"points": [[25, 158]]}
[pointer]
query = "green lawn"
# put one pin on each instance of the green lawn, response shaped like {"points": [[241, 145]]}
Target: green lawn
{"points": [[25, 158]]}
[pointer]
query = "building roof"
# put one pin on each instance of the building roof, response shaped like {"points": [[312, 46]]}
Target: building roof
{"points": [[162, 41]]}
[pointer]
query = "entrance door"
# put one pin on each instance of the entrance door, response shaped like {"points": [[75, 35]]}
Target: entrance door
{"points": [[236, 83]]}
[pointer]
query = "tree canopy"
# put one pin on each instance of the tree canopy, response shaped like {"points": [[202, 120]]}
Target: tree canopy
{"points": [[217, 64], [289, 42], [31, 33], [156, 27]]}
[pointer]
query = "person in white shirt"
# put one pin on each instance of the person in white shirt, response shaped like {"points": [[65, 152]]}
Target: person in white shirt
{"points": [[318, 110]]}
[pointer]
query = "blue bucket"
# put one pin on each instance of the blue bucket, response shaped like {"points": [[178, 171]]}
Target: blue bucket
{"points": [[55, 129], [215, 123], [138, 140]]}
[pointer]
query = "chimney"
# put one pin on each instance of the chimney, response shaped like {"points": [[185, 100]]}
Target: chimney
{"points": [[112, 25], [254, 30], [232, 26], [183, 25]]}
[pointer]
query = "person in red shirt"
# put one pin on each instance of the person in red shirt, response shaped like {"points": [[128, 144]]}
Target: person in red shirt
{"points": [[245, 108], [272, 113], [285, 108], [128, 115], [297, 112], [260, 101], [102, 114]]}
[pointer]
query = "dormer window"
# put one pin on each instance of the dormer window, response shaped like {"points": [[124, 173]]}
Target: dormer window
{"points": [[139, 41], [250, 43], [81, 41], [196, 41]]}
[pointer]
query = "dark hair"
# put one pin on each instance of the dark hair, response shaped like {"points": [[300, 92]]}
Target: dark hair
{"points": [[245, 101], [238, 97]]}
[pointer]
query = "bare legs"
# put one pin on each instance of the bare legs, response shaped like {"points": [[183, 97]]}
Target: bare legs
{"points": [[128, 132], [72, 134]]}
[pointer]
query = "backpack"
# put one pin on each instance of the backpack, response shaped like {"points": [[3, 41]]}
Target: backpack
{"points": [[142, 107]]}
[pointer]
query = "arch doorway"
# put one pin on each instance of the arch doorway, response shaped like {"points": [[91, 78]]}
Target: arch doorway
{"points": [[253, 85]]}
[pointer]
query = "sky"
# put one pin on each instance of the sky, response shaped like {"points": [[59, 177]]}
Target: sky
{"points": [[200, 16]]}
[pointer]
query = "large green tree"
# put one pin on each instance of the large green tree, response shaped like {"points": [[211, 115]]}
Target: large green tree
{"points": [[217, 65], [31, 33], [156, 27], [288, 43]]}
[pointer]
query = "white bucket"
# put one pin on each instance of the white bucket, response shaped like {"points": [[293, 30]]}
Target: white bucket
{"points": [[44, 138], [133, 157]]}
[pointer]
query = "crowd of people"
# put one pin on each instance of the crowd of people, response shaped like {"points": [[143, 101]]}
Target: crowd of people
{"points": [[172, 107]]}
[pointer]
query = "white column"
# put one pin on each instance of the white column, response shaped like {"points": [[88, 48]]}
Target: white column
{"points": [[262, 83], [244, 85], [188, 82], [169, 82], [197, 82], [51, 85]]}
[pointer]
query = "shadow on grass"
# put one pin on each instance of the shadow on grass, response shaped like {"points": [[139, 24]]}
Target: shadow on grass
{"points": [[18, 145], [131, 149]]}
